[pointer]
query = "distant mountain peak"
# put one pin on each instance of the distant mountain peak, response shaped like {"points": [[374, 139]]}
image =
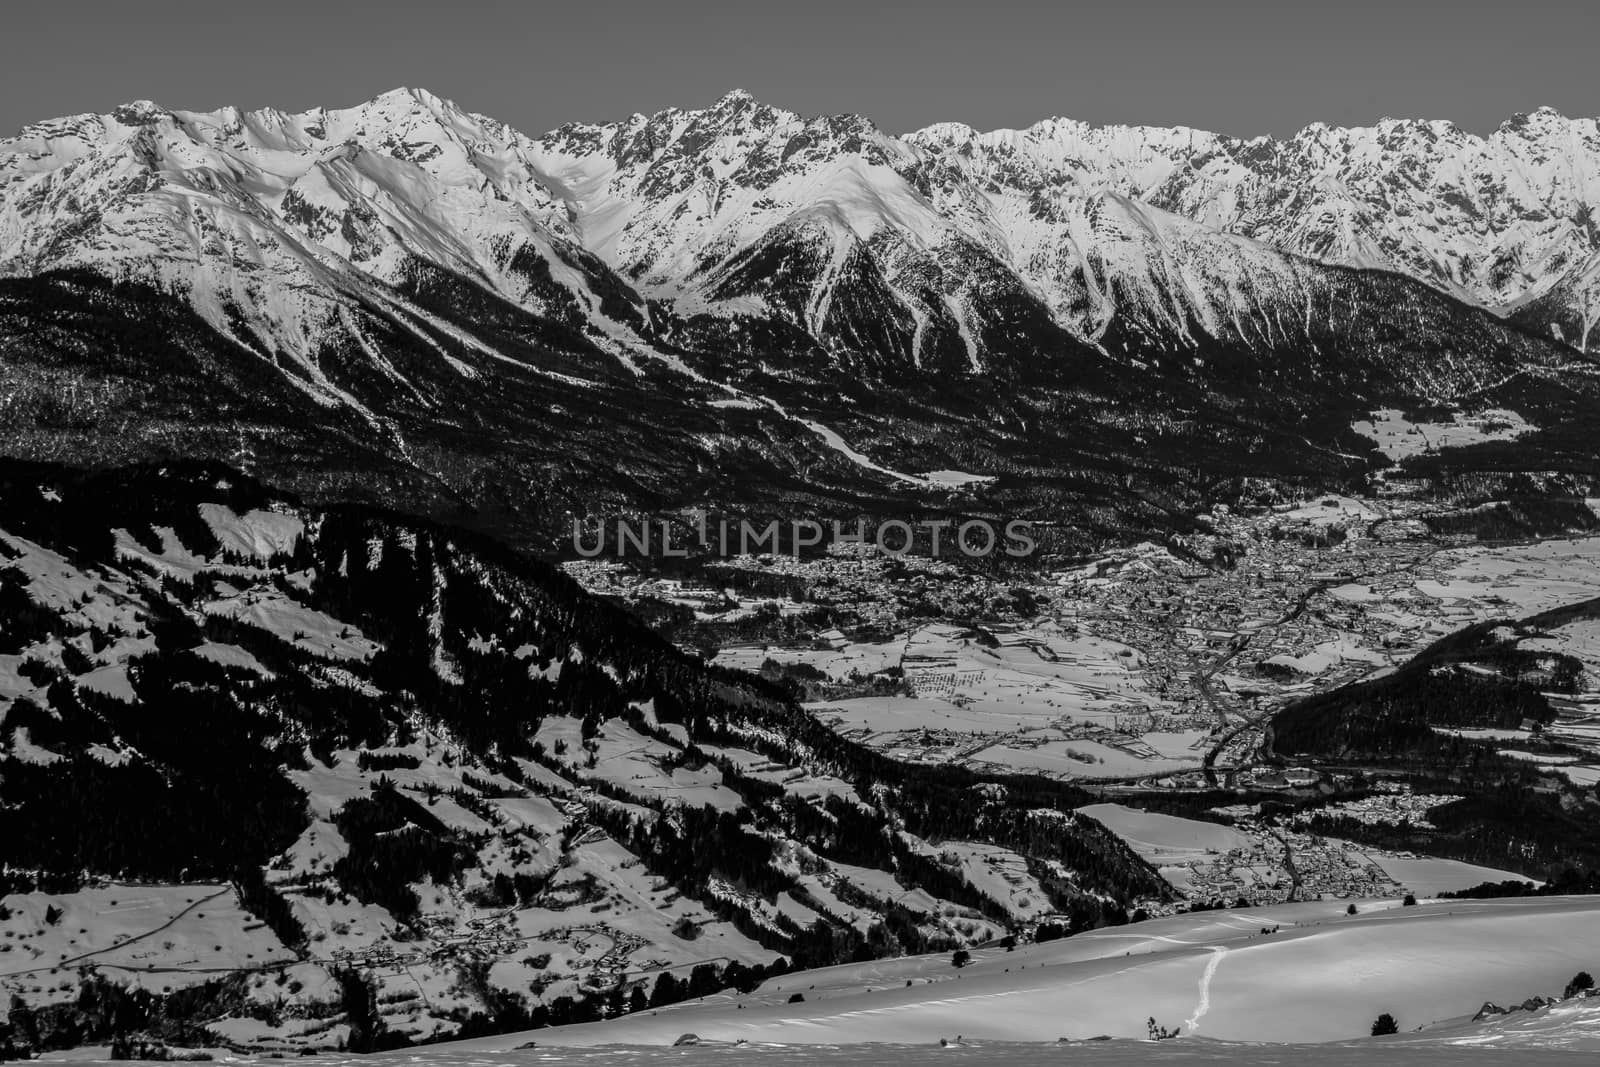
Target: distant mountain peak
{"points": [[139, 112], [406, 97]]}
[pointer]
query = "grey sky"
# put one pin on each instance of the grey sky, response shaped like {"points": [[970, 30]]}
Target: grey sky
{"points": [[1239, 66]]}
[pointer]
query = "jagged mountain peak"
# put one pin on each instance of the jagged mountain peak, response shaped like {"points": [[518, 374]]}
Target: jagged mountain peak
{"points": [[735, 98], [402, 95], [1544, 115], [139, 112]]}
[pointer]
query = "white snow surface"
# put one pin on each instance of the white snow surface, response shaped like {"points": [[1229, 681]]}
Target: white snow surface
{"points": [[1322, 977], [255, 534]]}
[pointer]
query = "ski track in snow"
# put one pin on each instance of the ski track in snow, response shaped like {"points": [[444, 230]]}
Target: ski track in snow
{"points": [[1204, 1005]]}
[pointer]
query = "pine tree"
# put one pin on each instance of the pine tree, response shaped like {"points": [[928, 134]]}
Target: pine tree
{"points": [[668, 990]]}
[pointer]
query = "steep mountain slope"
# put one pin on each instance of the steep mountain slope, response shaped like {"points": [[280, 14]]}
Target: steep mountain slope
{"points": [[458, 791], [733, 307], [100, 372]]}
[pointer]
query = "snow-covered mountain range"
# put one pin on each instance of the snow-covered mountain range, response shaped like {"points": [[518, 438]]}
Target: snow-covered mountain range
{"points": [[1498, 221], [415, 281], [267, 211]]}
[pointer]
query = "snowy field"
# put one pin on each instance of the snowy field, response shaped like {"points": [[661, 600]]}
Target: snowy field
{"points": [[161, 937], [1399, 438], [1329, 654], [1329, 507], [1427, 877], [838, 662], [1166, 838], [1517, 1050], [1322, 976], [1021, 679], [1189, 853], [635, 762], [1018, 698], [1079, 758], [1517, 580]]}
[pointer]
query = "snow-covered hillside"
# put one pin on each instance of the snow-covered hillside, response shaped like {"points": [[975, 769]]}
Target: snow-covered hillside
{"points": [[1293, 984], [1289, 973], [315, 778], [1012, 1054]]}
